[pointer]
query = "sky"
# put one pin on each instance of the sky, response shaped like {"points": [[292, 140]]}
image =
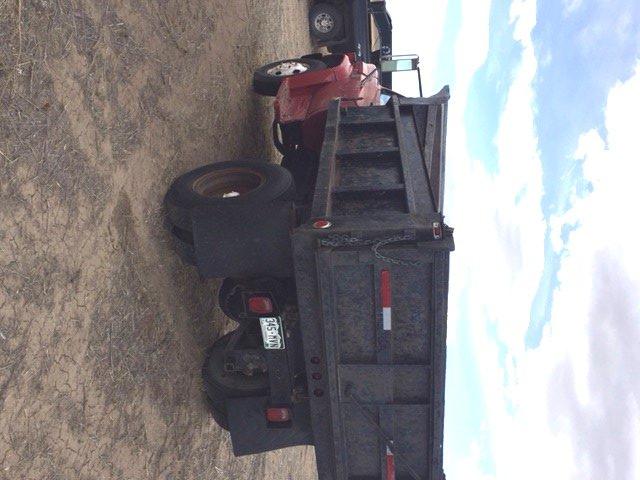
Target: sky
{"points": [[542, 188]]}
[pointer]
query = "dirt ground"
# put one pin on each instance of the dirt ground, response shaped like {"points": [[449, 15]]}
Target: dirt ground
{"points": [[102, 329]]}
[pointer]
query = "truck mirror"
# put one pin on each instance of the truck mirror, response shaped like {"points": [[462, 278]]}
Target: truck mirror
{"points": [[399, 63], [402, 63]]}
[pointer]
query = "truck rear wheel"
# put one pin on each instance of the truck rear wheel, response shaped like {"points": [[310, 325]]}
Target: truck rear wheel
{"points": [[267, 79], [183, 245], [326, 22], [220, 385], [237, 216], [225, 183], [218, 412]]}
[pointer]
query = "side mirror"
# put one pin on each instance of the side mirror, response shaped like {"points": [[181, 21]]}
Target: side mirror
{"points": [[399, 63], [402, 63]]}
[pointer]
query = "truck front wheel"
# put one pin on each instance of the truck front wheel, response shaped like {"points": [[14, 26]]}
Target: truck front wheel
{"points": [[267, 79], [326, 22]]}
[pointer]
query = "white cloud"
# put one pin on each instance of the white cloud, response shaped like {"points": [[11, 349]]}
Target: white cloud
{"points": [[471, 49], [571, 6], [570, 408], [419, 27], [498, 219], [467, 467], [499, 233], [595, 327], [576, 398]]}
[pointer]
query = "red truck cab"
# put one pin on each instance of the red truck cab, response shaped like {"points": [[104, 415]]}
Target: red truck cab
{"points": [[302, 100], [304, 87]]}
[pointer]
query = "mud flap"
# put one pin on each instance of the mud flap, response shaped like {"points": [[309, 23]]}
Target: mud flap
{"points": [[236, 241]]}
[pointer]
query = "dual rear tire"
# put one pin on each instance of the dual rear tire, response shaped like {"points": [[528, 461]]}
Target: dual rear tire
{"points": [[243, 183], [229, 189], [220, 385]]}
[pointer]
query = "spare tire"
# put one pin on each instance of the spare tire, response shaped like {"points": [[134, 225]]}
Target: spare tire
{"points": [[267, 79], [226, 183]]}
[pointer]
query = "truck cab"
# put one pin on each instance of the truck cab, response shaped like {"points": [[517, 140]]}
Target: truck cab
{"points": [[359, 26]]}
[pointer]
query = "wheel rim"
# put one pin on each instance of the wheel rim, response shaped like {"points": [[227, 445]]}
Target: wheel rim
{"points": [[324, 22], [228, 183], [287, 69]]}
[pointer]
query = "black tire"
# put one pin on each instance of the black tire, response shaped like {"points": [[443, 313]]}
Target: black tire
{"points": [[218, 411], [326, 22], [258, 183], [226, 298], [220, 385], [231, 385], [185, 251], [267, 82], [183, 245]]}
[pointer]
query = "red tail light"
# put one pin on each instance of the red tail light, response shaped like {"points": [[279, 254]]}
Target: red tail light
{"points": [[278, 414], [260, 305]]}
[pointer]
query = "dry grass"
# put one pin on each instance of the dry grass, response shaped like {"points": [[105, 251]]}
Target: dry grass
{"points": [[101, 329]]}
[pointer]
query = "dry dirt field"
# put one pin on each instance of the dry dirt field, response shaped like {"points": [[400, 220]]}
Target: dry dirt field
{"points": [[102, 330]]}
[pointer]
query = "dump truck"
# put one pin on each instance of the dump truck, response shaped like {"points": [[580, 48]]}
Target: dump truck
{"points": [[335, 270]]}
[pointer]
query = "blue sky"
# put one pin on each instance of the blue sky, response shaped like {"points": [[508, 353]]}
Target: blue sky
{"points": [[543, 377]]}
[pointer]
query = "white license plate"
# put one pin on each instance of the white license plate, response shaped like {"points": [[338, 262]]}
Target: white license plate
{"points": [[272, 333]]}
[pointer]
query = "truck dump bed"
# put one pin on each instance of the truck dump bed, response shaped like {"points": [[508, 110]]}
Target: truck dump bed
{"points": [[371, 271]]}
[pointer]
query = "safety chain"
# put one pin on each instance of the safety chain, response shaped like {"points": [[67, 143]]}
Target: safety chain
{"points": [[337, 240]]}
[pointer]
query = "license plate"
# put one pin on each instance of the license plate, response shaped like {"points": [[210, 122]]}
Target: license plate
{"points": [[272, 333]]}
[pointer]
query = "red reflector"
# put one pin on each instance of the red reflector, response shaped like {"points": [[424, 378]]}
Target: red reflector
{"points": [[437, 230], [322, 224], [260, 305], [391, 466], [385, 288], [278, 415]]}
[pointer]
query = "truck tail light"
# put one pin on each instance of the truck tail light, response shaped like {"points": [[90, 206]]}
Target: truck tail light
{"points": [[278, 414], [260, 305]]}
